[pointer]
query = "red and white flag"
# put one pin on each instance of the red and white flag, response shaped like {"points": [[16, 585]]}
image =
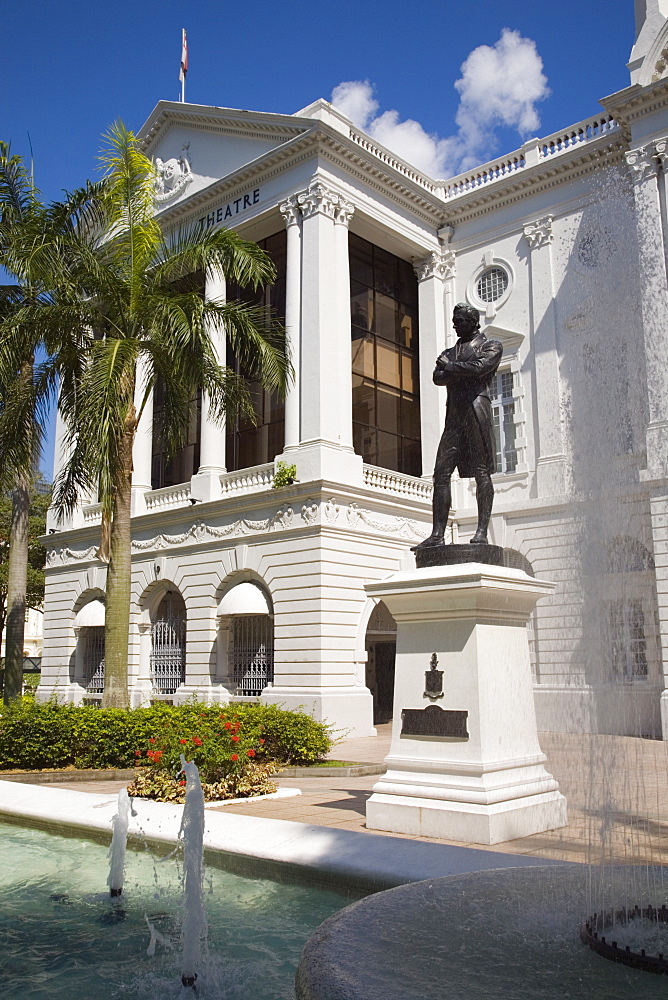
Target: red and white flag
{"points": [[184, 56]]}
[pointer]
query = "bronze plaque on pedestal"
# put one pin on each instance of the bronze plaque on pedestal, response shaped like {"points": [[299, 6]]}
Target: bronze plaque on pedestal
{"points": [[434, 721]]}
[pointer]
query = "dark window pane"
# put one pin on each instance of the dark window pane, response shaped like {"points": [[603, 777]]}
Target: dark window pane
{"points": [[385, 273], [361, 306], [364, 402], [387, 363], [362, 356], [410, 417], [361, 260], [411, 461], [387, 317], [389, 450], [388, 403]]}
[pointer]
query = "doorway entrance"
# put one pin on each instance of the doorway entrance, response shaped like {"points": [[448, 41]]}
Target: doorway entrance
{"points": [[381, 647]]}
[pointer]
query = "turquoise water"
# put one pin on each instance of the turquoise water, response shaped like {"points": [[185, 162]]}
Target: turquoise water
{"points": [[62, 936]]}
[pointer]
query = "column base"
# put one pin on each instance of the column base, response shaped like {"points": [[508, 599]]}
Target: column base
{"points": [[467, 822], [317, 460], [205, 485], [346, 709]]}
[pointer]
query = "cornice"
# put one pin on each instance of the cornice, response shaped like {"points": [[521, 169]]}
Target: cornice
{"points": [[636, 102], [535, 179], [319, 141], [227, 121]]}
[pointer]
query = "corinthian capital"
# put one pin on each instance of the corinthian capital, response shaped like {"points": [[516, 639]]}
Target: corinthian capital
{"points": [[439, 264], [289, 209], [344, 212], [642, 163], [318, 198], [538, 233]]}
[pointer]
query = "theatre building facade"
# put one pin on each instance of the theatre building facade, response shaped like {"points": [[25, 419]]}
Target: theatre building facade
{"points": [[242, 590]]}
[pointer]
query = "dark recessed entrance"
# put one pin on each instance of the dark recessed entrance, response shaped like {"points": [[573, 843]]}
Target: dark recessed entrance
{"points": [[381, 647]]}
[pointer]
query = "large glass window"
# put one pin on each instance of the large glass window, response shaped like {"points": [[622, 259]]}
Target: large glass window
{"points": [[624, 639], [249, 444], [502, 395], [385, 377]]}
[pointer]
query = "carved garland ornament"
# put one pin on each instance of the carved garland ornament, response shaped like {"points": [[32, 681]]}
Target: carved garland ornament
{"points": [[281, 520]]}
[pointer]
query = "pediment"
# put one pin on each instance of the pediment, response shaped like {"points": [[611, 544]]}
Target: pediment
{"points": [[511, 339], [195, 146]]}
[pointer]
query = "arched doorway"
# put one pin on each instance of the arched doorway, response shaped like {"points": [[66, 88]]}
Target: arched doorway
{"points": [[168, 644], [381, 647]]}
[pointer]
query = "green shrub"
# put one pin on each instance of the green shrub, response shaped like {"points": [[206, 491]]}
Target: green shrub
{"points": [[36, 735]]}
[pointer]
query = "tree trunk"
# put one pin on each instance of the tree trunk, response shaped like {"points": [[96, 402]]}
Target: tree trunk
{"points": [[119, 578], [17, 581]]}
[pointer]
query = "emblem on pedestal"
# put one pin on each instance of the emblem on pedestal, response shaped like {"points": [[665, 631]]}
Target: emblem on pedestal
{"points": [[433, 680]]}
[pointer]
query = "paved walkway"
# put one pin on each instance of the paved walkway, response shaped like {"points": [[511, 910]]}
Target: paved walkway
{"points": [[616, 788]]}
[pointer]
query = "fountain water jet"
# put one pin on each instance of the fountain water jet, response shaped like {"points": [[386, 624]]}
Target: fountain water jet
{"points": [[194, 916], [119, 842]]}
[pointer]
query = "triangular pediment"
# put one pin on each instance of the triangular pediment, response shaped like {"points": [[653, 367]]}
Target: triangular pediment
{"points": [[193, 146]]}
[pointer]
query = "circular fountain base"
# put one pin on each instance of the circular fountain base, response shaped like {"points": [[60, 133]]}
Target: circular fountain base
{"points": [[512, 934]]}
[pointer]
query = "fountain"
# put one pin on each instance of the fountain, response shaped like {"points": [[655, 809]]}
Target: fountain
{"points": [[119, 840], [194, 925]]}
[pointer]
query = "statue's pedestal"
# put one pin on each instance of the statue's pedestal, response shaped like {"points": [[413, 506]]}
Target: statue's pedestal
{"points": [[464, 763]]}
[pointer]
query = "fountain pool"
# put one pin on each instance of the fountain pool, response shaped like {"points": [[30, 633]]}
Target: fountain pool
{"points": [[61, 935]]}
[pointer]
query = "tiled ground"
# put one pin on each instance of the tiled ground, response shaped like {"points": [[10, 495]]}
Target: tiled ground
{"points": [[615, 787]]}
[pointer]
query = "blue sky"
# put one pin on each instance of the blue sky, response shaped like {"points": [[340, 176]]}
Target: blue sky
{"points": [[72, 67]]}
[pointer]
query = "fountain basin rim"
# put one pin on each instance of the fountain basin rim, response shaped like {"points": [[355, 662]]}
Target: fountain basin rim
{"points": [[280, 848]]}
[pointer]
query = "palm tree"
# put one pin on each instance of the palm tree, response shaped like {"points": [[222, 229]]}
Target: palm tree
{"points": [[27, 324], [134, 290]]}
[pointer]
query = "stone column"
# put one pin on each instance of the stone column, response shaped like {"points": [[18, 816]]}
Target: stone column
{"points": [[432, 274], [661, 153], [206, 482], [550, 455], [293, 285], [643, 163], [326, 409], [654, 303], [142, 451]]}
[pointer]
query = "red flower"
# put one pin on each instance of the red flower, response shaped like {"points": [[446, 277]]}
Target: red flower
{"points": [[137, 753], [251, 753], [183, 741], [181, 782], [235, 756], [151, 740], [228, 725], [260, 741], [235, 739], [197, 741]]}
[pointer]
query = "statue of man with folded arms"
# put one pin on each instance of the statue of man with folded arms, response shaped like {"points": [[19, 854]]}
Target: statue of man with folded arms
{"points": [[467, 443]]}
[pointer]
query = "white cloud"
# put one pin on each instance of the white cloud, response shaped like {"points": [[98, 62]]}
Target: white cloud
{"points": [[500, 85], [355, 100]]}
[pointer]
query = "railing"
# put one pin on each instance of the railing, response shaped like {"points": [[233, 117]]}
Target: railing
{"points": [[530, 154], [259, 477], [396, 482], [168, 497], [92, 513], [412, 173]]}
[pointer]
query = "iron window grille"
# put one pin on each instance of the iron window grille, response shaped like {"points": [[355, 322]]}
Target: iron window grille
{"points": [[252, 654], [492, 284], [93, 659], [168, 649], [624, 639]]}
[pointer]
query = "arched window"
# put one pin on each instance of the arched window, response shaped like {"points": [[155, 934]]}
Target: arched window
{"points": [[168, 644], [246, 611], [89, 630]]}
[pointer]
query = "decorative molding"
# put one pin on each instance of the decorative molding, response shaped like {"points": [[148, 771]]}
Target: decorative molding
{"points": [[344, 212], [539, 234], [661, 150], [201, 532], [439, 264], [318, 198], [357, 515], [332, 510], [642, 163], [62, 556], [289, 209], [310, 511], [172, 176]]}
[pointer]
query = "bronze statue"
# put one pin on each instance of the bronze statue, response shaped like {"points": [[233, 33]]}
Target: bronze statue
{"points": [[467, 443]]}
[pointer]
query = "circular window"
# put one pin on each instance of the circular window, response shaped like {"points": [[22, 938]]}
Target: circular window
{"points": [[492, 284]]}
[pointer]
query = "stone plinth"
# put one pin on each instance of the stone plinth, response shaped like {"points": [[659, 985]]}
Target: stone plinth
{"points": [[470, 768]]}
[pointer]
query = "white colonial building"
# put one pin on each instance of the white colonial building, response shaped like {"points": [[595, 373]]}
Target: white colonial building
{"points": [[242, 590]]}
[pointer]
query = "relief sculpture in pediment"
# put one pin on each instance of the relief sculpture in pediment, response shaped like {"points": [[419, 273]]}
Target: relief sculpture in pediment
{"points": [[173, 175]]}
